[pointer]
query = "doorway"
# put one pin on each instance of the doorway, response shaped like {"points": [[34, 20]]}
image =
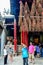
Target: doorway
{"points": [[34, 37]]}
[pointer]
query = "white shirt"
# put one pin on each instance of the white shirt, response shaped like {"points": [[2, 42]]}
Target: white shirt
{"points": [[5, 52]]}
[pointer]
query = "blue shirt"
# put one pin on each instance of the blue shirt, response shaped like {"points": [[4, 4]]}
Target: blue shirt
{"points": [[24, 52], [37, 49]]}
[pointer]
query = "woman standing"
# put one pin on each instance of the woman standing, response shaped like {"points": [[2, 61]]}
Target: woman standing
{"points": [[5, 56], [10, 53]]}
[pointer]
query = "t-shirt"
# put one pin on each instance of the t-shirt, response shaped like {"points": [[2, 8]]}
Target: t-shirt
{"points": [[5, 52], [37, 49], [24, 52], [31, 49]]}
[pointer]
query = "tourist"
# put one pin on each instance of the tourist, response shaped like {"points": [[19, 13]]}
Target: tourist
{"points": [[38, 50], [25, 54], [10, 53], [31, 52], [5, 55]]}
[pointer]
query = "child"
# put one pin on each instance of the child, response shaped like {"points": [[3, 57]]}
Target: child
{"points": [[5, 56], [25, 55], [10, 53], [31, 52]]}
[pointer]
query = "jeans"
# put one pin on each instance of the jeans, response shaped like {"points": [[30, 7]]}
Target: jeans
{"points": [[25, 61]]}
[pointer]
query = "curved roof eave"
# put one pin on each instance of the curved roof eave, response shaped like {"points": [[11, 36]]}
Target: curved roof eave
{"points": [[8, 16]]}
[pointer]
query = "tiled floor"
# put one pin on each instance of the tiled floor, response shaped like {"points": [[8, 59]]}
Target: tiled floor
{"points": [[17, 60]]}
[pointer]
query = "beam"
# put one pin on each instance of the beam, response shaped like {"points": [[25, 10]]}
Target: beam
{"points": [[32, 16], [36, 16], [8, 16], [8, 24]]}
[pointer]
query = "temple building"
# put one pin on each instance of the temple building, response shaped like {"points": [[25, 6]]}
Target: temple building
{"points": [[25, 22]]}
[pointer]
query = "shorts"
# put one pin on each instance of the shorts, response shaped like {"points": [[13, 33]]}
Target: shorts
{"points": [[31, 56]]}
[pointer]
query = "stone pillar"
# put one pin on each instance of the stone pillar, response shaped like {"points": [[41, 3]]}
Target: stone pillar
{"points": [[3, 40]]}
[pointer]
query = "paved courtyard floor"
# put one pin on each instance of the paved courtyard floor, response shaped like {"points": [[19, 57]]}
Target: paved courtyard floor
{"points": [[17, 60]]}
